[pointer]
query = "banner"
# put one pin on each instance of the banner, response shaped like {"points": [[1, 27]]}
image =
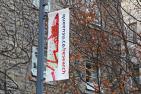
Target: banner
{"points": [[58, 46], [37, 2], [34, 63]]}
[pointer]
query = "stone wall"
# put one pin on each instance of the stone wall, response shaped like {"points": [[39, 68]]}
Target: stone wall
{"points": [[18, 32]]}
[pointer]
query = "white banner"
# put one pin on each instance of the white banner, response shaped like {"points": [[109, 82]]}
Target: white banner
{"points": [[37, 2], [58, 46], [34, 63]]}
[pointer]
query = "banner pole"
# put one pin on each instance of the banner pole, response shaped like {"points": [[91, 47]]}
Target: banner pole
{"points": [[40, 60]]}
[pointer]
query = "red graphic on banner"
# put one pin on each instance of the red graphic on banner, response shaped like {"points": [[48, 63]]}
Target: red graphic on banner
{"points": [[54, 37]]}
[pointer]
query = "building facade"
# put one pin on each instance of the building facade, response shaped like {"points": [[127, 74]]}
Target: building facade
{"points": [[131, 15]]}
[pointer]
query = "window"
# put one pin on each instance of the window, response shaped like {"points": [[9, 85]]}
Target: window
{"points": [[133, 26], [92, 8], [88, 1], [135, 76], [131, 33]]}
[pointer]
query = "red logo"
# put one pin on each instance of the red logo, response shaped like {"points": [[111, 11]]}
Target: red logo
{"points": [[54, 37]]}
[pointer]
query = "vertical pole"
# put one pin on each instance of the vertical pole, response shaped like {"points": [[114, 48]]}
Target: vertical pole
{"points": [[40, 61]]}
